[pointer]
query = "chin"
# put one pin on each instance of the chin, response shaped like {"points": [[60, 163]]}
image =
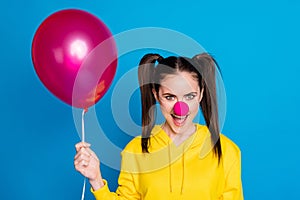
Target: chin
{"points": [[178, 129]]}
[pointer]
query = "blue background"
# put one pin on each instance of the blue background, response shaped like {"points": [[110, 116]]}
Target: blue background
{"points": [[256, 44]]}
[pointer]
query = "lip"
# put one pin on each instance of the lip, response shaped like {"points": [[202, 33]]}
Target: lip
{"points": [[179, 120]]}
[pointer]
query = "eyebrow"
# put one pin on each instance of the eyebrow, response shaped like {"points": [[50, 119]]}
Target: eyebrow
{"points": [[194, 93], [170, 94]]}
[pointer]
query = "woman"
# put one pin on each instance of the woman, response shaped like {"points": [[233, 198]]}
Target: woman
{"points": [[178, 159]]}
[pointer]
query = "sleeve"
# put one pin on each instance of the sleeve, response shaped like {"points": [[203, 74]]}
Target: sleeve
{"points": [[233, 184], [126, 182], [126, 189]]}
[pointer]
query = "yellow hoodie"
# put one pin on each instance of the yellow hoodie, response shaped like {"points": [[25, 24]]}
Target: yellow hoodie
{"points": [[188, 171]]}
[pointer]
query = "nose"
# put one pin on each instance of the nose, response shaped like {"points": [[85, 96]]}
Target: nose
{"points": [[181, 108]]}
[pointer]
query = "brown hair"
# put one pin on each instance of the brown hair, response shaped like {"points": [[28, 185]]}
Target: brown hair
{"points": [[203, 66]]}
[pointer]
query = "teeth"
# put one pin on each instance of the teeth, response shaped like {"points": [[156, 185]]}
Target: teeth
{"points": [[179, 117]]}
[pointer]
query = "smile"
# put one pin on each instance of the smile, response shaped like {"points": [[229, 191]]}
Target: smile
{"points": [[179, 120]]}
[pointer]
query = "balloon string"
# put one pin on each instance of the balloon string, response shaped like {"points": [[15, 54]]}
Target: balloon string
{"points": [[83, 189], [82, 126], [83, 140]]}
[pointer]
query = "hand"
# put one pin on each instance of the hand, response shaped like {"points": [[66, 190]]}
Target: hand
{"points": [[87, 163]]}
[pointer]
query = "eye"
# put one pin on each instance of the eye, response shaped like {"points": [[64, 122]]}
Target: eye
{"points": [[190, 96], [170, 97]]}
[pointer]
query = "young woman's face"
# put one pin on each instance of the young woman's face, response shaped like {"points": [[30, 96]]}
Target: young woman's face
{"points": [[181, 86]]}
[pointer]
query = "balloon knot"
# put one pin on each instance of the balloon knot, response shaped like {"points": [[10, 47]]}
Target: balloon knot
{"points": [[85, 110]]}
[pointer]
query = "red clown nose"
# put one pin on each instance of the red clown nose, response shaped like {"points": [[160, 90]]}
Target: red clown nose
{"points": [[181, 108]]}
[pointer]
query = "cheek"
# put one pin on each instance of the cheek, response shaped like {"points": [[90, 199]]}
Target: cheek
{"points": [[193, 106], [166, 107]]}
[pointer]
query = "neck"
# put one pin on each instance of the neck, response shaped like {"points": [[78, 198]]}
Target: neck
{"points": [[179, 136]]}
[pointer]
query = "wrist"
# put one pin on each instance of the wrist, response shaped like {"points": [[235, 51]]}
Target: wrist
{"points": [[97, 183]]}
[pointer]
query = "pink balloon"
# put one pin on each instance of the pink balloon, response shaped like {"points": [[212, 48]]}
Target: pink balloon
{"points": [[181, 108], [75, 57]]}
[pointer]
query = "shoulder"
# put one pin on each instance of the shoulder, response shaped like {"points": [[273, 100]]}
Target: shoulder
{"points": [[227, 145], [231, 154], [229, 148], [134, 146]]}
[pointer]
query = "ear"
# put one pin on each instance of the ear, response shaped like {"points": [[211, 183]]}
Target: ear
{"points": [[155, 94], [201, 95]]}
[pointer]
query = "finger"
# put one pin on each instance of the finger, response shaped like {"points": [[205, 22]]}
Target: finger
{"points": [[92, 153], [81, 169], [80, 154], [79, 145], [81, 163], [78, 168], [82, 157], [79, 157], [83, 151]]}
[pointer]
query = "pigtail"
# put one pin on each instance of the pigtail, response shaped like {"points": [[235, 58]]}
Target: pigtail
{"points": [[145, 75], [207, 66]]}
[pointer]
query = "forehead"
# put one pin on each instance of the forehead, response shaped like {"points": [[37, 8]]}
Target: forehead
{"points": [[181, 82]]}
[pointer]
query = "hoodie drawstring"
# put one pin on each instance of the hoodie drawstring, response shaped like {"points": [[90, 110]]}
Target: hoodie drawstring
{"points": [[170, 170], [182, 179]]}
